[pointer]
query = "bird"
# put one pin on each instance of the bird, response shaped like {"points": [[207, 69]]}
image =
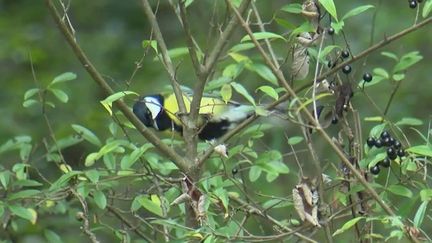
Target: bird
{"points": [[301, 62], [216, 117]]}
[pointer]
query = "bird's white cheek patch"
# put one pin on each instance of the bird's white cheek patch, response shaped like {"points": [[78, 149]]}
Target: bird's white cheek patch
{"points": [[153, 105]]}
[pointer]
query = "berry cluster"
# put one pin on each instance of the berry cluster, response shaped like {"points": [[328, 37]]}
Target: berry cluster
{"points": [[413, 3], [347, 68], [393, 147]]}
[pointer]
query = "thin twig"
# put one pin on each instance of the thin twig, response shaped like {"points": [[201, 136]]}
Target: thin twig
{"points": [[309, 116], [181, 163], [84, 217]]}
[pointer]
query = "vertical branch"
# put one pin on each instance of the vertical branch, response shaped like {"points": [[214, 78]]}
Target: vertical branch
{"points": [[266, 41], [211, 60], [97, 77], [165, 57], [309, 116], [190, 43], [84, 217]]}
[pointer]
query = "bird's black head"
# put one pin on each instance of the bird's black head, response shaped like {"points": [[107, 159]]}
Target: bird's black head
{"points": [[147, 108]]}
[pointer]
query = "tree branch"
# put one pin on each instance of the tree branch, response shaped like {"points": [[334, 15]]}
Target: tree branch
{"points": [[309, 116], [97, 77]]}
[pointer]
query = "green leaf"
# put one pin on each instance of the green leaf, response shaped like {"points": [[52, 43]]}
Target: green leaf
{"points": [[409, 121], [284, 23], [93, 175], [377, 130], [22, 212], [134, 156], [263, 35], [390, 55], [381, 72], [87, 134], [269, 156], [240, 58], [292, 8], [233, 70], [398, 76], [100, 199], [241, 90], [4, 178], [222, 195], [67, 76], [60, 94], [112, 146], [423, 150], [357, 11], [305, 27], [295, 140], [226, 92], [153, 204], [242, 47], [270, 91], [330, 8], [326, 51], [426, 194], [378, 157], [29, 93], [63, 180], [337, 26], [254, 173], [374, 119], [107, 102], [151, 43], [264, 72], [175, 53], [24, 194], [427, 8], [91, 159], [27, 183], [419, 216], [52, 237], [350, 223], [400, 190], [65, 142], [30, 102], [407, 61]]}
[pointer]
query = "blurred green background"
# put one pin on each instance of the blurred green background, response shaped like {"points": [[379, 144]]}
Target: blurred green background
{"points": [[111, 33]]}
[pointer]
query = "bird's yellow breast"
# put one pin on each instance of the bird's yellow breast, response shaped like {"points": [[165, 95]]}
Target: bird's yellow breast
{"points": [[209, 106]]}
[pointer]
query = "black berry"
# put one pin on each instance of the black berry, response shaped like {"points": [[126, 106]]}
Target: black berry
{"points": [[413, 4], [330, 31], [385, 163], [386, 141], [234, 171], [385, 134], [346, 69], [391, 153], [345, 54], [378, 143], [375, 169], [334, 120], [370, 142], [401, 153], [392, 141], [397, 145], [367, 77], [419, 1]]}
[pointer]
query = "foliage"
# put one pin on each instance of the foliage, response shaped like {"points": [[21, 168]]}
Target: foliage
{"points": [[75, 165]]}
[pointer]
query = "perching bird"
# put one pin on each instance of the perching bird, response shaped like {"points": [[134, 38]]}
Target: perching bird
{"points": [[300, 63], [311, 10], [216, 116]]}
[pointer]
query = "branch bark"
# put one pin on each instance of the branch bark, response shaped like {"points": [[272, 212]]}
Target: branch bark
{"points": [[181, 163]]}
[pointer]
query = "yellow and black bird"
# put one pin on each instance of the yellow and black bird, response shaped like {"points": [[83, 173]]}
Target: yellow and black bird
{"points": [[216, 116]]}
